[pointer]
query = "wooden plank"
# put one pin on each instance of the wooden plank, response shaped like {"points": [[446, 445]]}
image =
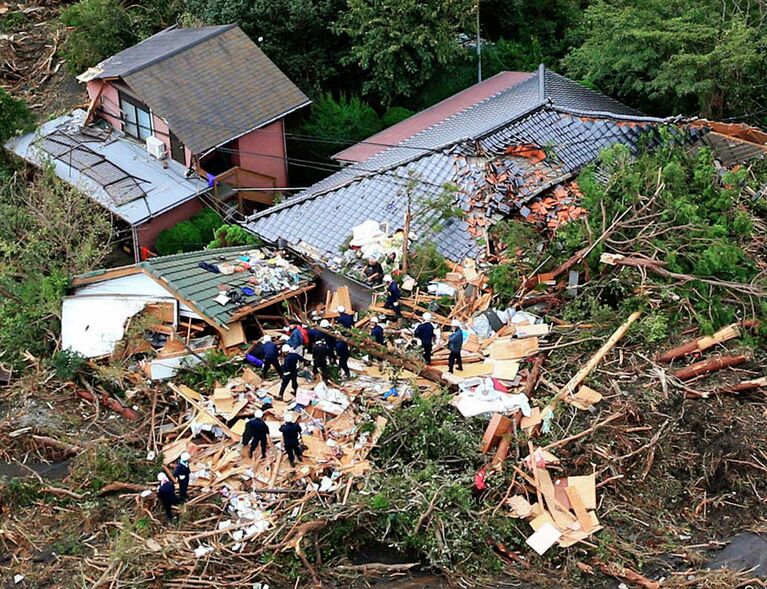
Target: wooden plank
{"points": [[511, 349], [505, 369], [587, 489], [234, 336], [584, 398], [523, 331], [579, 508], [499, 426]]}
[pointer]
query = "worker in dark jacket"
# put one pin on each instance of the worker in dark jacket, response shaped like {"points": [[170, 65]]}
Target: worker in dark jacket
{"points": [[425, 333], [289, 370], [320, 354], [373, 272], [345, 319], [256, 432], [393, 295], [296, 339], [314, 336], [181, 474], [291, 434], [271, 356], [330, 340], [342, 350], [454, 344], [377, 332], [166, 493]]}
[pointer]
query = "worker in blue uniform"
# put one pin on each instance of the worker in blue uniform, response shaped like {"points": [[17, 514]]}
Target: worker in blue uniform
{"points": [[425, 333], [291, 434], [289, 370], [271, 356], [345, 320], [454, 345], [393, 295], [256, 433], [166, 493], [181, 474], [377, 331]]}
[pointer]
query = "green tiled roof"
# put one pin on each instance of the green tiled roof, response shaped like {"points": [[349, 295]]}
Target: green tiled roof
{"points": [[183, 275]]}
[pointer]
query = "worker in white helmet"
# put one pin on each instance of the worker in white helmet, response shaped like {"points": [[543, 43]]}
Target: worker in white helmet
{"points": [[289, 370], [291, 434], [345, 320], [256, 432], [377, 331], [425, 333], [166, 493], [181, 474], [393, 295], [455, 344]]}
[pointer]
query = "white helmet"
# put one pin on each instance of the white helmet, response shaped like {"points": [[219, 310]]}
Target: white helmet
{"points": [[325, 324], [162, 477], [258, 414], [374, 319], [427, 316], [387, 278], [286, 349], [289, 418], [266, 339], [185, 456], [455, 323], [284, 338], [341, 309]]}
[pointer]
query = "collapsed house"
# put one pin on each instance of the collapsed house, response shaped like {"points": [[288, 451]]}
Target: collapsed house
{"points": [[159, 141], [514, 151], [198, 300]]}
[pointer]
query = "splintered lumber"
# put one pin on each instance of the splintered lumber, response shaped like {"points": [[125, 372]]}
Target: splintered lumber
{"points": [[535, 373], [109, 402], [513, 349], [746, 385], [710, 365], [581, 375], [499, 426], [53, 443], [701, 344], [201, 409]]}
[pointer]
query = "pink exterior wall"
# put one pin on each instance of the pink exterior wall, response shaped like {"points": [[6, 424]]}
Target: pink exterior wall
{"points": [[161, 131], [108, 104], [148, 232], [263, 151]]}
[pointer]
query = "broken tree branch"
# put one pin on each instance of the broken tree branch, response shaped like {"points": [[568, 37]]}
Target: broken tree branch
{"points": [[710, 365]]}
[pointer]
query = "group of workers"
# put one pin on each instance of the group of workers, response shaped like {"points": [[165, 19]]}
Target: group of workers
{"points": [[325, 349]]}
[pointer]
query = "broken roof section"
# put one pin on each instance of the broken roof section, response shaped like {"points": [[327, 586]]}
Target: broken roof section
{"points": [[211, 84], [113, 170], [197, 279], [567, 123]]}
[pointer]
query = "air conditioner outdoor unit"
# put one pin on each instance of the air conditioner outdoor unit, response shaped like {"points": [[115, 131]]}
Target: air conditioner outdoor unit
{"points": [[155, 147]]}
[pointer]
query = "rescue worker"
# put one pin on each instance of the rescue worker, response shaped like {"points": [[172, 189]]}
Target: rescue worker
{"points": [[345, 319], [329, 339], [342, 350], [271, 357], [320, 355], [454, 344], [393, 295], [373, 272], [256, 432], [425, 333], [291, 433], [181, 474], [289, 370], [166, 493], [377, 332], [296, 339], [315, 335]]}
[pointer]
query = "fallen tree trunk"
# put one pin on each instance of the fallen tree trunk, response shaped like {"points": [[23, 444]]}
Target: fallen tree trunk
{"points": [[114, 487], [70, 449], [746, 385], [701, 344], [110, 403], [710, 365], [383, 353]]}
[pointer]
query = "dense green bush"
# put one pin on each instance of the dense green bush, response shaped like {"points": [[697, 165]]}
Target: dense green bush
{"points": [[231, 235], [340, 122], [98, 29], [190, 235], [15, 117], [425, 263]]}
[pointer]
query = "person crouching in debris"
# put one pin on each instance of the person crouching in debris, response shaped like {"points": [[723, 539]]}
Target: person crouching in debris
{"points": [[166, 492], [256, 432], [454, 344], [296, 339], [320, 355], [345, 320], [425, 333], [181, 474], [289, 370], [271, 357], [291, 433], [373, 272], [393, 295], [342, 350]]}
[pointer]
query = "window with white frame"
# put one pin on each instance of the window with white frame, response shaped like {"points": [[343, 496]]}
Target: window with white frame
{"points": [[137, 121]]}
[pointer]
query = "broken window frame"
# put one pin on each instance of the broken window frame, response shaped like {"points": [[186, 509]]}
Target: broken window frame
{"points": [[130, 111]]}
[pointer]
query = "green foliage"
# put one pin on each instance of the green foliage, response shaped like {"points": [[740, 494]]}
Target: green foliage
{"points": [[674, 56], [231, 235], [398, 42], [99, 29], [296, 34], [66, 364], [15, 117], [425, 263], [340, 122], [18, 492], [190, 235], [504, 280], [394, 115], [103, 464], [216, 367]]}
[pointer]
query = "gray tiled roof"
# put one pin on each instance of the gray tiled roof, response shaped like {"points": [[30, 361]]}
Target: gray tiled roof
{"points": [[211, 84], [455, 150]]}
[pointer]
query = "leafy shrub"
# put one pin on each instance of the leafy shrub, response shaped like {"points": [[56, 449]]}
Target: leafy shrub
{"points": [[100, 28], [190, 235], [425, 263], [103, 464], [394, 115], [15, 117], [340, 122], [216, 367], [66, 364], [231, 235]]}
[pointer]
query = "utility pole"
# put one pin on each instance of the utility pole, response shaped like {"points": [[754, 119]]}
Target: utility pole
{"points": [[479, 48]]}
